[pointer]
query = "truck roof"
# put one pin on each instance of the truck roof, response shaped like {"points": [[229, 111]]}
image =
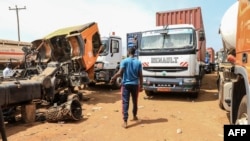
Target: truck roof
{"points": [[68, 30], [110, 36]]}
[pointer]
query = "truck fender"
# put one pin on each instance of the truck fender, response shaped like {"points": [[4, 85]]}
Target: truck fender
{"points": [[239, 70]]}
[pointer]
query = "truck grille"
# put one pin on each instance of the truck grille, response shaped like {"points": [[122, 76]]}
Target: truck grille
{"points": [[167, 69]]}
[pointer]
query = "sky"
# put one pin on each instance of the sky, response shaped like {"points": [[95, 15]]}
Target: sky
{"points": [[38, 18]]}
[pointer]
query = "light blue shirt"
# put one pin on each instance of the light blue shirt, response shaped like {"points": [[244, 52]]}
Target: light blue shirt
{"points": [[131, 68]]}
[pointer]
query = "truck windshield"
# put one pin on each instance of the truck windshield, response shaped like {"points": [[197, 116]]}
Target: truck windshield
{"points": [[166, 39], [105, 44]]}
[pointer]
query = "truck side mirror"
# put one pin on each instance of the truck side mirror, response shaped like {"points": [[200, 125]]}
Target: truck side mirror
{"points": [[201, 35]]}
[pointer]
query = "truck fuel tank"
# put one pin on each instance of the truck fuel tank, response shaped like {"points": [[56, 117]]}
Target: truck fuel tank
{"points": [[15, 92]]}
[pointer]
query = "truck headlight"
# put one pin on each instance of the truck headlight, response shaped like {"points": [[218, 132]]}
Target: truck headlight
{"points": [[189, 80], [99, 66]]}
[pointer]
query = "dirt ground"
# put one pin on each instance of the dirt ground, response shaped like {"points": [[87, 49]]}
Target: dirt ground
{"points": [[164, 117]]}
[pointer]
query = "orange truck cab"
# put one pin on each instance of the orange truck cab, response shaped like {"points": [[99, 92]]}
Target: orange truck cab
{"points": [[240, 111], [69, 55]]}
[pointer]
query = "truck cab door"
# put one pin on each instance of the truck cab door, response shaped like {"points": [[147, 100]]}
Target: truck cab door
{"points": [[115, 54]]}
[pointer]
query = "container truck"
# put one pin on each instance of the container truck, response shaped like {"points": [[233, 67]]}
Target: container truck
{"points": [[209, 60], [173, 54], [235, 33], [108, 61]]}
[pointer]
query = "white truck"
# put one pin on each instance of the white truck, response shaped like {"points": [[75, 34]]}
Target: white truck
{"points": [[108, 62], [173, 56]]}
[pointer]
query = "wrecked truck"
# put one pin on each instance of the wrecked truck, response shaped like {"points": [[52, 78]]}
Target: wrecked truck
{"points": [[64, 59]]}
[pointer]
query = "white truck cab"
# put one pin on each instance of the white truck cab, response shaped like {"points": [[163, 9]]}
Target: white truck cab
{"points": [[108, 62]]}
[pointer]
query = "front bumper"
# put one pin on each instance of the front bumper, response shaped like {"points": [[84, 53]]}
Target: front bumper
{"points": [[171, 84]]}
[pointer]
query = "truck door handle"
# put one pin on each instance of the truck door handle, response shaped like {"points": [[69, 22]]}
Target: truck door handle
{"points": [[244, 58]]}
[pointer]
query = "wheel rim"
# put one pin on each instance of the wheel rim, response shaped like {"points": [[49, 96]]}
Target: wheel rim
{"points": [[243, 120], [118, 82]]}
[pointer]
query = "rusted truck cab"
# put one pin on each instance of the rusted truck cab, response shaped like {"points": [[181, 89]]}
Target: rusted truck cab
{"points": [[71, 53]]}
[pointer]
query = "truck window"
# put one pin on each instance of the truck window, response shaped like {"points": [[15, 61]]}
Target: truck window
{"points": [[96, 41], [105, 44], [78, 44], [61, 48], [114, 46], [174, 38]]}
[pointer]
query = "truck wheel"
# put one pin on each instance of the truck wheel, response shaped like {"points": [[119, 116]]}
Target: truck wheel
{"points": [[221, 101], [221, 105], [220, 93], [218, 82], [194, 94], [221, 98], [149, 93], [118, 83], [70, 110], [242, 117], [91, 84], [202, 72], [209, 71]]}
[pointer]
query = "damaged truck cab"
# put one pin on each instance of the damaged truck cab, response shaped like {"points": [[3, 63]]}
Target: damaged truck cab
{"points": [[65, 59]]}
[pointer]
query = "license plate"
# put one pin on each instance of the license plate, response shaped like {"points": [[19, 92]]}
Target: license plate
{"points": [[163, 89]]}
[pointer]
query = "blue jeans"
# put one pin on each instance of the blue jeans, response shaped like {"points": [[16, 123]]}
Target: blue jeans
{"points": [[128, 90]]}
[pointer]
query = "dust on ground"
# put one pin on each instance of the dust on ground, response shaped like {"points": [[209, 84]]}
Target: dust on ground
{"points": [[163, 117]]}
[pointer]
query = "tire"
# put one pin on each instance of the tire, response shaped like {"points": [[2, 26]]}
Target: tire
{"points": [[70, 110], [149, 93], [202, 72], [218, 83], [209, 71], [220, 95], [12, 119], [221, 105], [194, 94], [242, 117], [92, 84], [118, 83]]}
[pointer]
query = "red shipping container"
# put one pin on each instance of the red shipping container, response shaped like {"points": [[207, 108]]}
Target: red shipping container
{"points": [[182, 16]]}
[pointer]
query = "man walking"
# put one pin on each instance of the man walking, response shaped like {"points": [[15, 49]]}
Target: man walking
{"points": [[131, 72]]}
